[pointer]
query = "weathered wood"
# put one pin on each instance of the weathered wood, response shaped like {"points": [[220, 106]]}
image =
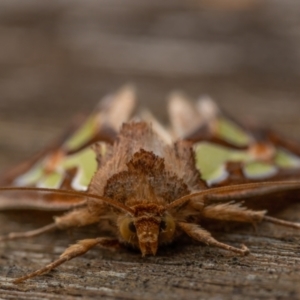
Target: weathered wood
{"points": [[193, 271]]}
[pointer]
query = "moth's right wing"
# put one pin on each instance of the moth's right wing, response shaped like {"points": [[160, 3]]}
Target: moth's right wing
{"points": [[230, 152]]}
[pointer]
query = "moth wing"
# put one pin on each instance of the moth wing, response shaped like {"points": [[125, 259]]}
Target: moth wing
{"points": [[69, 162], [229, 152]]}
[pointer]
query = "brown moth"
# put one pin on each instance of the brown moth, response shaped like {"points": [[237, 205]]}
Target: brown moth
{"points": [[149, 189]]}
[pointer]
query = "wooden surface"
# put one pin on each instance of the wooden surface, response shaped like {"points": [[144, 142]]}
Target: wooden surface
{"points": [[179, 272], [48, 74]]}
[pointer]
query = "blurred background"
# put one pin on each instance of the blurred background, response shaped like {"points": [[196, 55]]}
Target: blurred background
{"points": [[59, 57]]}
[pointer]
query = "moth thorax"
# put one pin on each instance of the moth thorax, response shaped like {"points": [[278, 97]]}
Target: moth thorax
{"points": [[147, 209]]}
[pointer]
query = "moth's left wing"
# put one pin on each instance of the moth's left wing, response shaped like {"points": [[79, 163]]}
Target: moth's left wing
{"points": [[68, 163]]}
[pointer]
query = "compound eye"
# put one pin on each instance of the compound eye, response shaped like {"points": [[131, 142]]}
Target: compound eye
{"points": [[132, 227], [167, 229], [128, 229], [162, 226]]}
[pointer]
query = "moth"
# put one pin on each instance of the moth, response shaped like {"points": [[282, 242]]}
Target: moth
{"points": [[151, 184]]}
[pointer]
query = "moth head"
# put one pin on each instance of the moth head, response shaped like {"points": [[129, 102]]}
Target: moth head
{"points": [[150, 227]]}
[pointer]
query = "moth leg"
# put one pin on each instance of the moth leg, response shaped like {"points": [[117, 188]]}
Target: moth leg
{"points": [[71, 252], [236, 212], [199, 234], [281, 222], [76, 218], [28, 234], [233, 212]]}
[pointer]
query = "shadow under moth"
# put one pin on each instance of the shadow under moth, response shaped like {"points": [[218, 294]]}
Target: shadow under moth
{"points": [[152, 185]]}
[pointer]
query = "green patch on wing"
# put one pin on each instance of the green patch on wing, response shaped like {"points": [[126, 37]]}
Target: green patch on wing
{"points": [[211, 160], [286, 159], [32, 176], [83, 161], [232, 133], [52, 180], [259, 170], [86, 164], [83, 134]]}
